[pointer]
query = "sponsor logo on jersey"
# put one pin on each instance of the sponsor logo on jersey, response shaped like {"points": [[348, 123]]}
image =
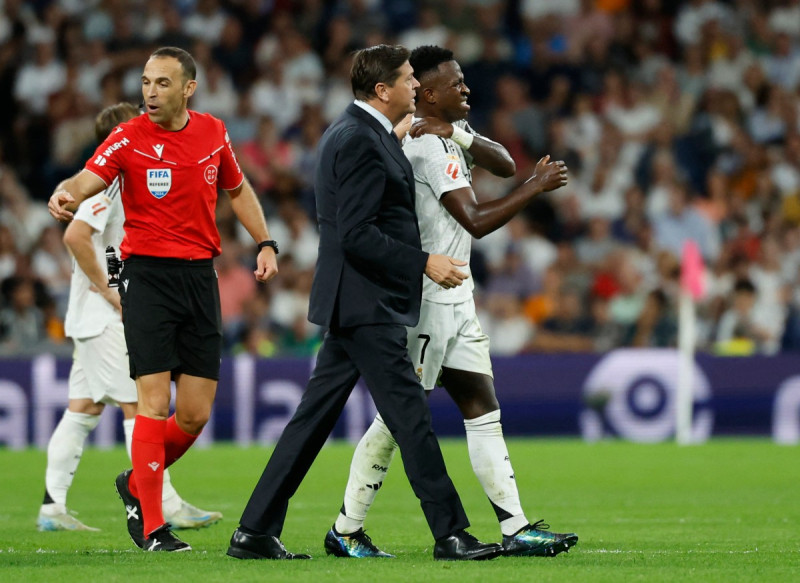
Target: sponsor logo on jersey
{"points": [[453, 170], [116, 146], [159, 181], [100, 160], [159, 148], [210, 174]]}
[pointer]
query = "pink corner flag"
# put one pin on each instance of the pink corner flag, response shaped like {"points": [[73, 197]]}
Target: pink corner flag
{"points": [[692, 269]]}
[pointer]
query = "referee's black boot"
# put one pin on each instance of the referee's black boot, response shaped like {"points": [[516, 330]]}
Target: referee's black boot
{"points": [[133, 509], [462, 546], [259, 546]]}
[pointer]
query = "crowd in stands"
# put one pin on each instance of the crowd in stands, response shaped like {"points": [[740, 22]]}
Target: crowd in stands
{"points": [[678, 120]]}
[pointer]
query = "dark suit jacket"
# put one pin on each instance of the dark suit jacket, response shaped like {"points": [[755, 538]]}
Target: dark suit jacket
{"points": [[370, 263]]}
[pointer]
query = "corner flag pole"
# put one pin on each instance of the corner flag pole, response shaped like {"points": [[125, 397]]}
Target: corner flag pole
{"points": [[691, 290]]}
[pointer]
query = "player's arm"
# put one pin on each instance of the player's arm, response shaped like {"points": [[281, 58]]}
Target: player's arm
{"points": [[78, 239], [249, 212], [486, 153], [73, 191], [480, 219]]}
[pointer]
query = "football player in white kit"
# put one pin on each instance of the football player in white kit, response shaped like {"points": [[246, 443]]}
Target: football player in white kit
{"points": [[448, 343], [99, 373]]}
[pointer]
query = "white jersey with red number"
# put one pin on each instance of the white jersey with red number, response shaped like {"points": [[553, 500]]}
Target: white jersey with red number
{"points": [[169, 184], [440, 165], [88, 313]]}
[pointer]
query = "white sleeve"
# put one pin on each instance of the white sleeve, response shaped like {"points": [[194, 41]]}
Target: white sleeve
{"points": [[95, 211], [436, 162]]}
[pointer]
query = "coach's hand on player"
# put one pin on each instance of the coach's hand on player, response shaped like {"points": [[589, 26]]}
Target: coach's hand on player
{"points": [[266, 264], [444, 270], [60, 199], [549, 175], [431, 125], [402, 128]]}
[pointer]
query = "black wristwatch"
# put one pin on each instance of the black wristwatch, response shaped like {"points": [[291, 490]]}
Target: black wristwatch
{"points": [[269, 243]]}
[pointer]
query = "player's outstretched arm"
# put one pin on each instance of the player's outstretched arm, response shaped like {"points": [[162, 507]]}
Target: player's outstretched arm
{"points": [[486, 153], [480, 219], [73, 191], [249, 212]]}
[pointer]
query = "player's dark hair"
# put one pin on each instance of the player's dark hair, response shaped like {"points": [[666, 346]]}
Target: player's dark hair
{"points": [[111, 117], [373, 65], [186, 60], [428, 58]]}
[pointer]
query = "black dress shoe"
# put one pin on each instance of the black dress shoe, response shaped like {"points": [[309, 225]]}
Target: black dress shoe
{"points": [[259, 546], [462, 546]]}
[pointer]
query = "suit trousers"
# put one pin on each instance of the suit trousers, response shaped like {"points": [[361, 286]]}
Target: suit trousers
{"points": [[379, 354]]}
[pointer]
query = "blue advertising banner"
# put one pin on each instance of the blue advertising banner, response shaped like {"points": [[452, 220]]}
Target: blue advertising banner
{"points": [[627, 393]]}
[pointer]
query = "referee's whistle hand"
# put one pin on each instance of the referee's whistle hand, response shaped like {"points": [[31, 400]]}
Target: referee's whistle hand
{"points": [[266, 265], [56, 205]]}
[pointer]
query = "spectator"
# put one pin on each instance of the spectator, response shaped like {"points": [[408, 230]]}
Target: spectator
{"points": [[681, 223], [569, 329], [22, 323], [740, 331]]}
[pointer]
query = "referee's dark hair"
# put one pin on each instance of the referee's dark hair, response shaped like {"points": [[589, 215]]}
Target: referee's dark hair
{"points": [[111, 117], [186, 60], [378, 64], [428, 58]]}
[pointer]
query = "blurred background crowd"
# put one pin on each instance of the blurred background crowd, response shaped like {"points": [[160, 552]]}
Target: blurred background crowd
{"points": [[678, 120]]}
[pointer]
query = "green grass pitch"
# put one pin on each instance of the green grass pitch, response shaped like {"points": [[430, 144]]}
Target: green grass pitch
{"points": [[725, 511]]}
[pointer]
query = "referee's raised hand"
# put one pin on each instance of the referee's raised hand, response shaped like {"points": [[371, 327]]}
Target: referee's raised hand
{"points": [[58, 201]]}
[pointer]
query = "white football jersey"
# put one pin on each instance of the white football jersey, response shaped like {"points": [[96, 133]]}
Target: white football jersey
{"points": [[440, 165], [88, 313]]}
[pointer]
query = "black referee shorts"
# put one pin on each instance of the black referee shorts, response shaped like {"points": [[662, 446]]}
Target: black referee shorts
{"points": [[171, 314]]}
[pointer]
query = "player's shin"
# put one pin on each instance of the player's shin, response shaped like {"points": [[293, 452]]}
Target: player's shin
{"points": [[492, 466], [64, 453], [371, 461]]}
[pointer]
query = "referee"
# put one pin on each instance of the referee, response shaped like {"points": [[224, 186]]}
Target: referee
{"points": [[173, 161]]}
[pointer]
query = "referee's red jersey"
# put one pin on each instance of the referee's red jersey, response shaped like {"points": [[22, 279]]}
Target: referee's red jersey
{"points": [[169, 184]]}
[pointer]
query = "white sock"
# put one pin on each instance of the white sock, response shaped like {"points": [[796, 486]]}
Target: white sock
{"points": [[170, 499], [64, 452], [489, 456], [127, 429], [370, 463]]}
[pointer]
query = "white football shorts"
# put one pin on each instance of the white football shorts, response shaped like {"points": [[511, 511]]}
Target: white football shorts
{"points": [[448, 335], [100, 368]]}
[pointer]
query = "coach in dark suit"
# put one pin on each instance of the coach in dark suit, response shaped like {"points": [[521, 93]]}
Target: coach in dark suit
{"points": [[367, 288]]}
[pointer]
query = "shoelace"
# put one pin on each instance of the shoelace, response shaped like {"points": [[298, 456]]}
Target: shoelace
{"points": [[540, 525], [363, 538]]}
